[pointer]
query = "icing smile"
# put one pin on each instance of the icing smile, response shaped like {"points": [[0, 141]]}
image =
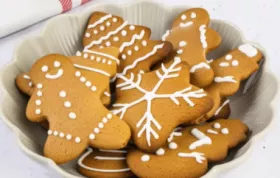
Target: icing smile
{"points": [[55, 76]]}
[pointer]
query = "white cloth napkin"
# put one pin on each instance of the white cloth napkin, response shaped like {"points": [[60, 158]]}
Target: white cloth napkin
{"points": [[18, 14]]}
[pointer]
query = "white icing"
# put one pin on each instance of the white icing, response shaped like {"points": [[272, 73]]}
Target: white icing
{"points": [[39, 93], [187, 24], [77, 73], [102, 28], [113, 151], [55, 133], [100, 125], [103, 55], [164, 36], [224, 64], [26, 76], [202, 139], [199, 157], [82, 79], [176, 132], [124, 33], [109, 116], [217, 125], [87, 35], [193, 15], [62, 93], [199, 66], [30, 84], [225, 131], [182, 43], [108, 24], [203, 41], [50, 132], [123, 56], [108, 43], [68, 137], [61, 134], [100, 21], [225, 79], [78, 53], [95, 32], [248, 50], [136, 48], [72, 115], [96, 130], [144, 43], [129, 52], [93, 88], [116, 38], [145, 158], [221, 107], [109, 158], [44, 68], [160, 152], [131, 27], [104, 120], [38, 102], [77, 139], [55, 76], [107, 94], [92, 69], [56, 64], [88, 84], [109, 62], [89, 151], [212, 131], [229, 57], [67, 104], [38, 111], [91, 136], [234, 63], [99, 41], [132, 41], [172, 145], [180, 51], [115, 19], [183, 17], [39, 85]]}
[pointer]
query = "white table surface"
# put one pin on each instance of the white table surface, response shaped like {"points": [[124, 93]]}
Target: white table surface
{"points": [[259, 19]]}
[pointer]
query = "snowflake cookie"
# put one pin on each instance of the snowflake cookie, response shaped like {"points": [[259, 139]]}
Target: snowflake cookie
{"points": [[192, 39], [188, 155], [71, 103], [154, 103]]}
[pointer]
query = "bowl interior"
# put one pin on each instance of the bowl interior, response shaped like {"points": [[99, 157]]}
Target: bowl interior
{"points": [[63, 35]]}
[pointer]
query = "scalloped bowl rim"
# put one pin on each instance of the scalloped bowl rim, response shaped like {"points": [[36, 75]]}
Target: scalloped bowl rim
{"points": [[213, 172]]}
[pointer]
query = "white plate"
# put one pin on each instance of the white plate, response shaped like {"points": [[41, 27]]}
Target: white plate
{"points": [[254, 103]]}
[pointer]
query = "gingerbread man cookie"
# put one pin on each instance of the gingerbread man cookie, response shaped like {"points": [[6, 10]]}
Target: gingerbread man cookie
{"points": [[72, 106], [137, 51], [188, 155], [192, 39], [148, 101], [104, 163]]}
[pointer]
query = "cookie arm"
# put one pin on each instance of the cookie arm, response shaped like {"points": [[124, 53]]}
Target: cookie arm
{"points": [[34, 112], [213, 39]]}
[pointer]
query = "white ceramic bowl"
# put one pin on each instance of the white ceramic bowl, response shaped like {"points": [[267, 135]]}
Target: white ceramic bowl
{"points": [[254, 103]]}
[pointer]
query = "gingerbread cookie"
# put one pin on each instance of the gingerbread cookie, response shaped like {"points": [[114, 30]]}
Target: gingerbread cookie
{"points": [[104, 163], [77, 118], [188, 155], [192, 39], [230, 70], [148, 101], [24, 83], [223, 112], [137, 51]]}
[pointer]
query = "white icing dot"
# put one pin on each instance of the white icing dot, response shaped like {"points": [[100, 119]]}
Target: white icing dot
{"points": [[56, 64], [109, 116], [145, 158], [61, 134], [88, 83], [30, 84], [115, 19], [225, 131], [228, 57], [182, 43], [124, 33], [78, 53], [104, 120], [91, 57], [91, 136], [98, 59], [136, 48], [39, 93], [72, 115], [93, 88], [180, 51], [39, 85], [193, 15], [68, 137], [123, 56], [183, 17], [82, 79], [38, 102], [77, 139], [38, 111], [234, 63], [78, 74], [108, 24], [103, 61], [44, 68], [172, 145], [144, 43], [102, 28], [67, 104], [109, 62], [129, 52], [131, 27], [100, 125], [55, 133], [101, 47], [116, 38], [160, 152], [50, 132], [96, 130], [85, 55], [62, 94], [95, 32], [217, 125], [87, 35], [108, 43]]}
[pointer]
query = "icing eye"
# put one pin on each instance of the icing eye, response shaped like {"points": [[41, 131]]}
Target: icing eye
{"points": [[193, 15], [131, 27], [115, 19], [45, 68], [56, 64], [183, 17], [124, 33]]}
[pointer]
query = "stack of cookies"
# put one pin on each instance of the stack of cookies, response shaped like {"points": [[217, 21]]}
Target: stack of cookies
{"points": [[130, 106]]}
